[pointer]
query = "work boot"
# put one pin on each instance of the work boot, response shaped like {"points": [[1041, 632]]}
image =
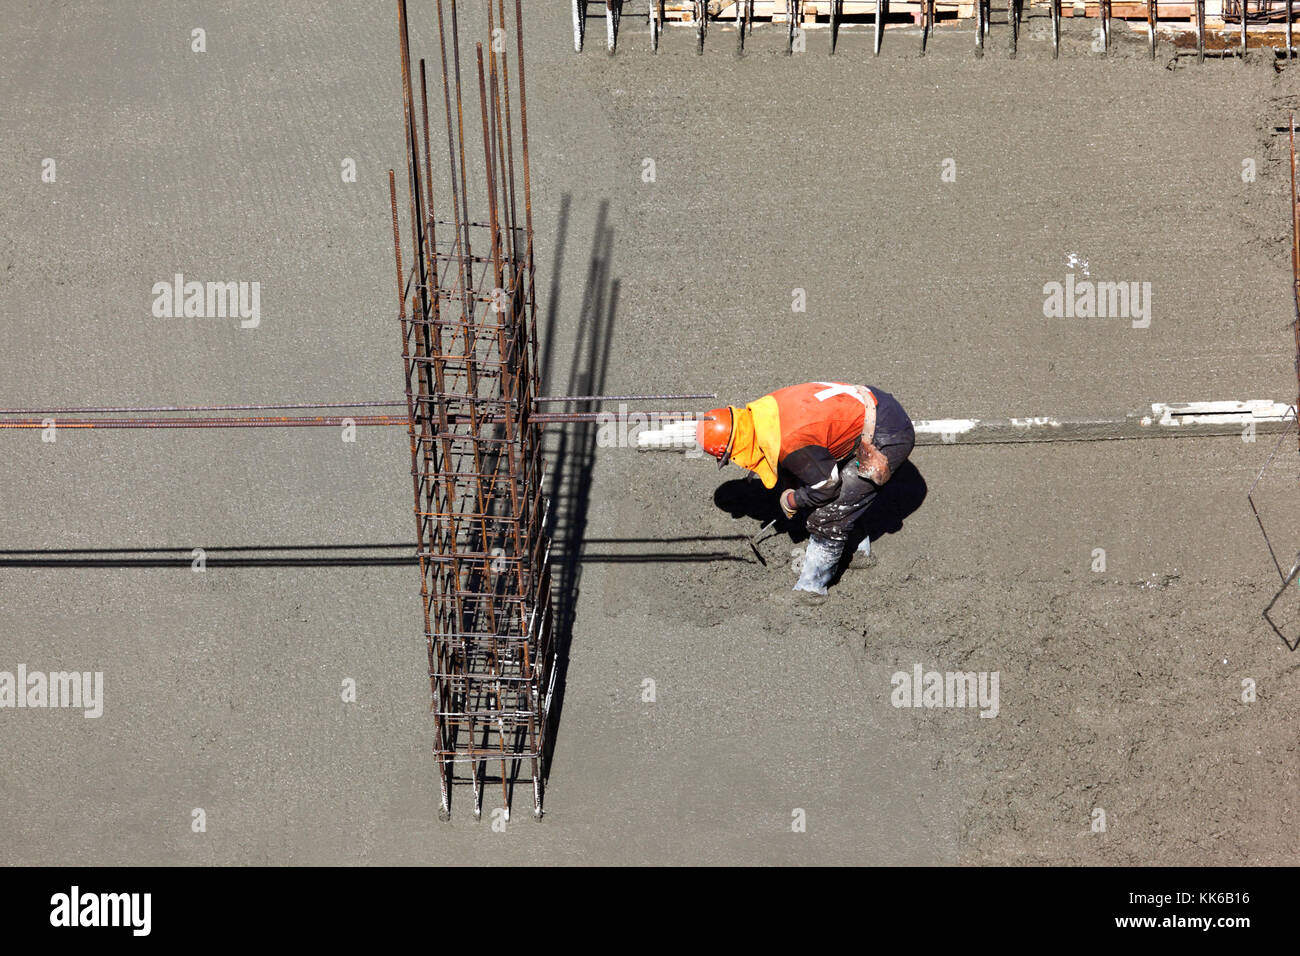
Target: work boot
{"points": [[863, 558], [819, 563], [793, 597], [807, 598]]}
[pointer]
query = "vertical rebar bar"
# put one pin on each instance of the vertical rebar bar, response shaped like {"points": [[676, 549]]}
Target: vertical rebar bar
{"points": [[1290, 18], [412, 151], [504, 69], [1200, 31]]}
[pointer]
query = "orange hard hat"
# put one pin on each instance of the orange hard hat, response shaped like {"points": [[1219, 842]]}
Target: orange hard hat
{"points": [[714, 433]]}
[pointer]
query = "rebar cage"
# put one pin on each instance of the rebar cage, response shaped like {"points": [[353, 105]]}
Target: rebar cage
{"points": [[467, 310]]}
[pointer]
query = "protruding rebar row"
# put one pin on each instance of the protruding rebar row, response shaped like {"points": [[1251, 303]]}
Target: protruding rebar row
{"points": [[741, 14]]}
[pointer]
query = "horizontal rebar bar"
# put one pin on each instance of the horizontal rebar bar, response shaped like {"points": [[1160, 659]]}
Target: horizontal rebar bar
{"points": [[286, 422], [544, 418], [624, 398], [288, 406], [135, 409]]}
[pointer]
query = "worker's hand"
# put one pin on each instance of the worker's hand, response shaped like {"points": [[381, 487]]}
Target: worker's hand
{"points": [[872, 464], [788, 506]]}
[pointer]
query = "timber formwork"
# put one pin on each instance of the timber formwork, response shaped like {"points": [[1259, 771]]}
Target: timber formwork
{"points": [[467, 313]]}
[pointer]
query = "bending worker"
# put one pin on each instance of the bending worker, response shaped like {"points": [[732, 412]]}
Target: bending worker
{"points": [[832, 445]]}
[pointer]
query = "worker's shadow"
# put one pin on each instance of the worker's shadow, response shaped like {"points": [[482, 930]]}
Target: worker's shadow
{"points": [[901, 497]]}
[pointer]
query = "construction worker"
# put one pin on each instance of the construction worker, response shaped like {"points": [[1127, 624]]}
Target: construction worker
{"points": [[833, 445]]}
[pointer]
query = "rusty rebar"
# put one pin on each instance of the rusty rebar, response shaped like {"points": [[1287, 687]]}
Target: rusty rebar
{"points": [[137, 410], [1200, 31], [624, 398], [280, 406], [204, 422]]}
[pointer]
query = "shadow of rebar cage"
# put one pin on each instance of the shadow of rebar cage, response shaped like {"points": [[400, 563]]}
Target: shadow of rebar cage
{"points": [[467, 310]]}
